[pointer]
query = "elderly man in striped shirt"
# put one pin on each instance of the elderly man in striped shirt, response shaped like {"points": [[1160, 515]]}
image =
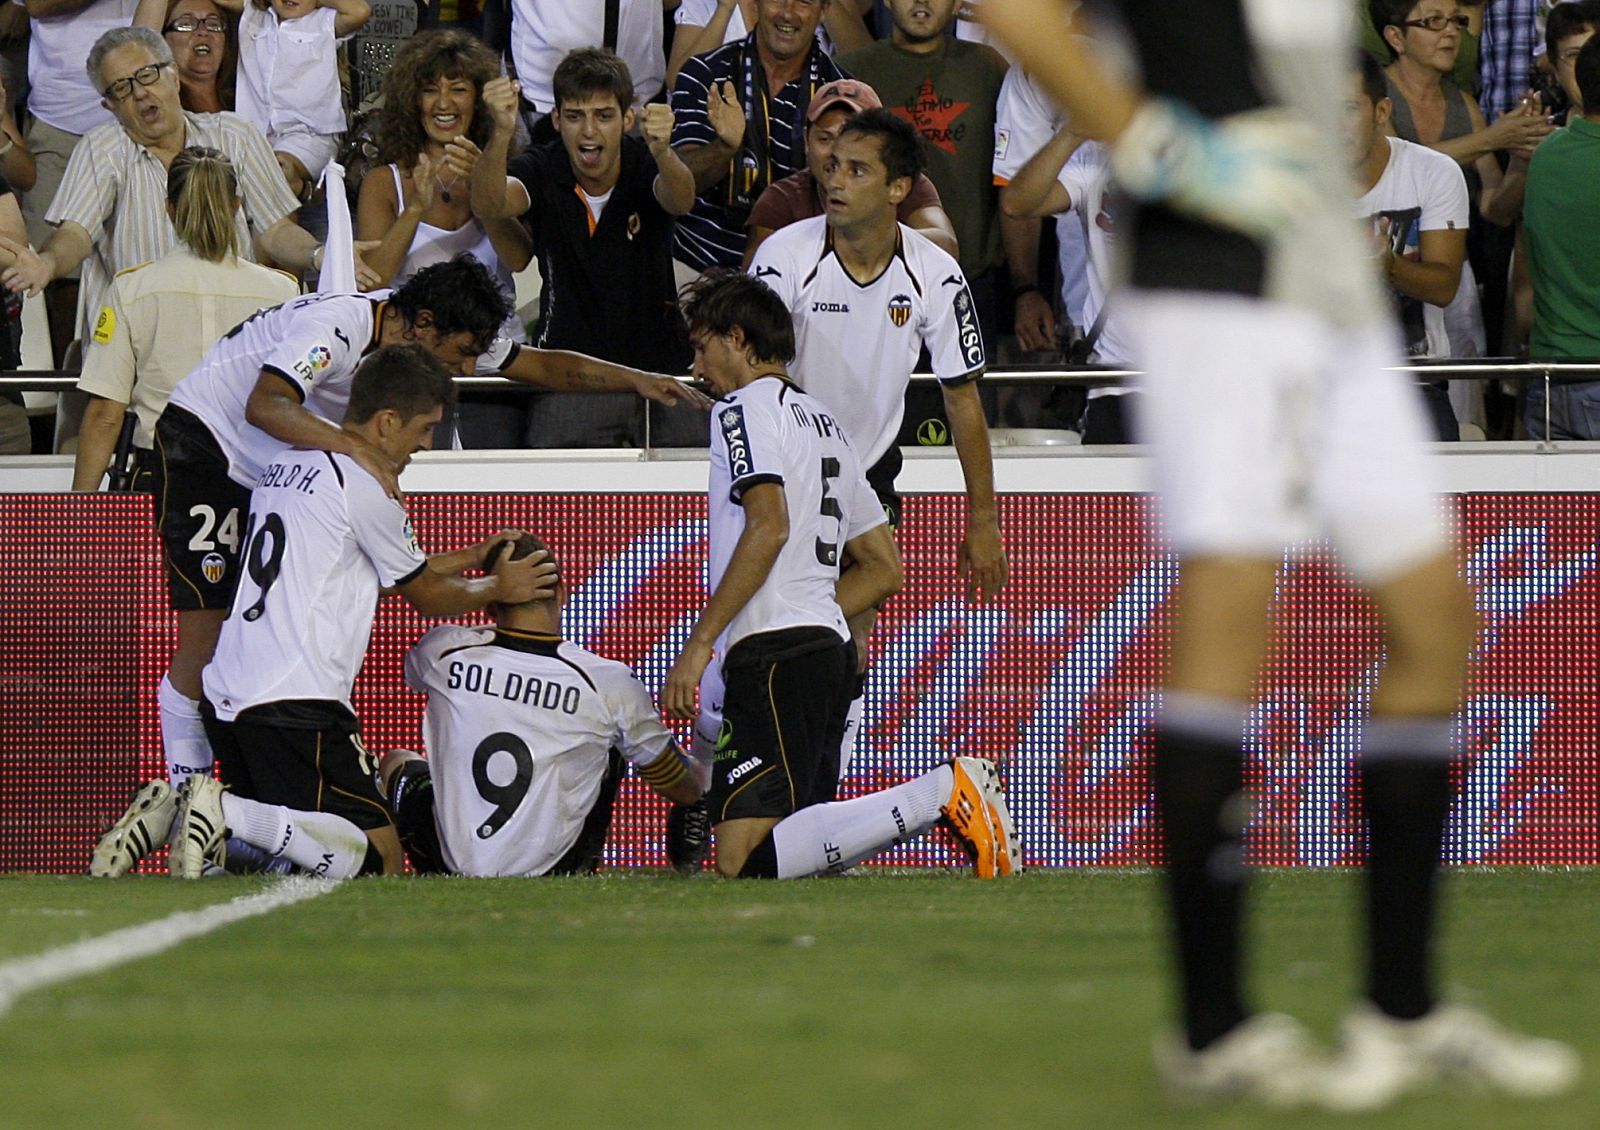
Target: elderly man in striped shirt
{"points": [[111, 210]]}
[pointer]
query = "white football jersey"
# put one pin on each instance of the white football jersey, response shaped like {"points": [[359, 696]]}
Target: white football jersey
{"points": [[519, 728], [315, 343], [772, 432], [322, 539], [858, 344]]}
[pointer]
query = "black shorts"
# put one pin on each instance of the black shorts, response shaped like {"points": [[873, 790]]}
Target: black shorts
{"points": [[411, 791], [303, 755], [200, 512], [880, 477], [783, 718]]}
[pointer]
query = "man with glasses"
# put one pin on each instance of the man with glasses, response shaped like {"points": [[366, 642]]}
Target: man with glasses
{"points": [[110, 213], [62, 107]]}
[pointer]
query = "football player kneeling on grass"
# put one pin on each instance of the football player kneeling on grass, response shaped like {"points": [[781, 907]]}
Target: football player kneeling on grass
{"points": [[788, 503], [527, 738], [324, 541]]}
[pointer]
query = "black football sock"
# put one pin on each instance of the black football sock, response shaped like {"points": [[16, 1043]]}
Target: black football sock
{"points": [[1406, 790], [1198, 779]]}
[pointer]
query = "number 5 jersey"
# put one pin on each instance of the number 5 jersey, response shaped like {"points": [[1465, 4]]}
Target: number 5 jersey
{"points": [[770, 431]]}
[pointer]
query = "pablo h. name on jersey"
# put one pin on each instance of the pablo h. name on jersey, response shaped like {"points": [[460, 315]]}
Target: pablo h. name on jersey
{"points": [[287, 476]]}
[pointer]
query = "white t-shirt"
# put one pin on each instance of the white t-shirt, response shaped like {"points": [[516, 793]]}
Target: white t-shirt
{"points": [[289, 72], [1420, 190], [858, 344], [315, 343], [323, 538], [59, 90], [543, 31], [519, 729], [1087, 177], [772, 432], [1025, 118]]}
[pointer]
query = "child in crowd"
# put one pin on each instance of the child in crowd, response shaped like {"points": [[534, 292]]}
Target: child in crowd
{"points": [[289, 78]]}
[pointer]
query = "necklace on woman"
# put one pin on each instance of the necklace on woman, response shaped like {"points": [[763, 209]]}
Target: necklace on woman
{"points": [[444, 189]]}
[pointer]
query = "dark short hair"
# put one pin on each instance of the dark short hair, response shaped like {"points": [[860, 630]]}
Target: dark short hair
{"points": [[405, 378], [1389, 13], [898, 143], [589, 71], [722, 299], [461, 295], [1373, 82], [1569, 19], [524, 545], [1587, 72]]}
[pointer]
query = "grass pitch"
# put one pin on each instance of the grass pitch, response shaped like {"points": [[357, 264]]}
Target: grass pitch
{"points": [[647, 1000]]}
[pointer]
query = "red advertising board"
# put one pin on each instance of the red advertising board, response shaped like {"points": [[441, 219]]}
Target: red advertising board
{"points": [[1056, 681]]}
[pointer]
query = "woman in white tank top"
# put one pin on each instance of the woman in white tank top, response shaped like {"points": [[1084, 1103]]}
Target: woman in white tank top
{"points": [[418, 210]]}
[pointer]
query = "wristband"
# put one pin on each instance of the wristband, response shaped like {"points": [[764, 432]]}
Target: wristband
{"points": [[1025, 288]]}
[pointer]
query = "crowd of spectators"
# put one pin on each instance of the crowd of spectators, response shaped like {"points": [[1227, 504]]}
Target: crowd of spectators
{"points": [[621, 149]]}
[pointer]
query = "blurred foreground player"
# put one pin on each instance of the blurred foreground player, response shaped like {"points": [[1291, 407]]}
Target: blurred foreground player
{"points": [[1270, 417], [324, 540], [787, 504], [527, 737]]}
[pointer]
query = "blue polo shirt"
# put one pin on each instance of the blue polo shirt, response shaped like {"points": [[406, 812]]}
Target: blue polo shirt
{"points": [[713, 233]]}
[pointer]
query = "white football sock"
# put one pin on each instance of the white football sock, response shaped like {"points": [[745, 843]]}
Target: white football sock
{"points": [[319, 842], [852, 731], [183, 735], [835, 836]]}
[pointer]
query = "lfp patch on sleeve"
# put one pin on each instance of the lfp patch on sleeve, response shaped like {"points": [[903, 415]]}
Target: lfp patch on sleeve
{"points": [[105, 326]]}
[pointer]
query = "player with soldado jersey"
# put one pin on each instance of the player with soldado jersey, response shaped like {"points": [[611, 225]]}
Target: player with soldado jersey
{"points": [[787, 505], [528, 736], [283, 377], [324, 540]]}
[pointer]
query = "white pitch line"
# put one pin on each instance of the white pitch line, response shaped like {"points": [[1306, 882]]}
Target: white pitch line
{"points": [[93, 955]]}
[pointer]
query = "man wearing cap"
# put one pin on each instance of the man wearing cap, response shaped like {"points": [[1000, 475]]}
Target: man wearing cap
{"points": [[738, 114], [948, 89], [800, 196]]}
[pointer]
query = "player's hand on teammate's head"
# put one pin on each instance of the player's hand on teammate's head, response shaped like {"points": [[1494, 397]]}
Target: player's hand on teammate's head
{"points": [[982, 563], [497, 544], [525, 579]]}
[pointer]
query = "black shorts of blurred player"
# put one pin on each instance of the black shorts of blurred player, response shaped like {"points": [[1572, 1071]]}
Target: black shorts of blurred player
{"points": [[411, 800], [788, 693], [306, 756]]}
